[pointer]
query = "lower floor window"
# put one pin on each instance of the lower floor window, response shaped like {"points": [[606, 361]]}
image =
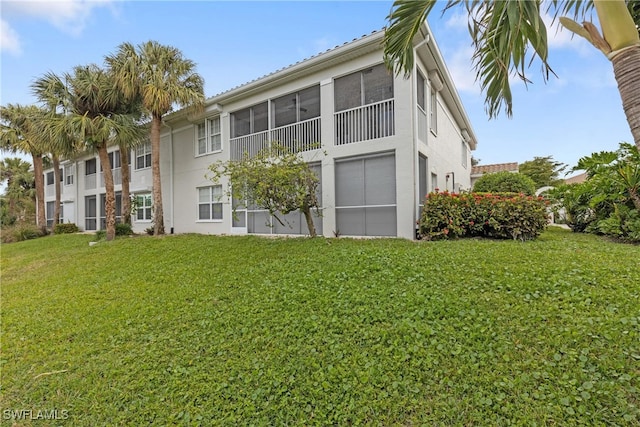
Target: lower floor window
{"points": [[210, 203], [143, 207], [50, 210]]}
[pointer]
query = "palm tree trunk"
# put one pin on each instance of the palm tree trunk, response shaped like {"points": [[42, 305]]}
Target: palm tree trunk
{"points": [[626, 67], [158, 216], [41, 218], [126, 198], [110, 196], [56, 178]]}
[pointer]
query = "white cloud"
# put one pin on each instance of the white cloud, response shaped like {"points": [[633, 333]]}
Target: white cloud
{"points": [[457, 20], [9, 40], [69, 16], [461, 70]]}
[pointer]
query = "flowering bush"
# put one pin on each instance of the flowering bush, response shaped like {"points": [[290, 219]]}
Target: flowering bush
{"points": [[501, 216]]}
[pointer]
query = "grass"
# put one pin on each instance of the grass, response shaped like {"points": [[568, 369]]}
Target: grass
{"points": [[202, 330]]}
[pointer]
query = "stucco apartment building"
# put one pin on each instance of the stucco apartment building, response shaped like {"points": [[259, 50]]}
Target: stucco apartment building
{"points": [[385, 141]]}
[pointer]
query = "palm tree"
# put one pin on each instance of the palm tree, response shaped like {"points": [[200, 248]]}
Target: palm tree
{"points": [[19, 133], [161, 77], [504, 31], [95, 112], [19, 179]]}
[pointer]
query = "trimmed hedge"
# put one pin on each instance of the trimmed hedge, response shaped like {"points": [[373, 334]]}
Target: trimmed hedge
{"points": [[500, 216], [505, 182], [68, 228]]}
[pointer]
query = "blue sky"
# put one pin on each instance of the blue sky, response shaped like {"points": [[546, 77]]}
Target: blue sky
{"points": [[571, 116]]}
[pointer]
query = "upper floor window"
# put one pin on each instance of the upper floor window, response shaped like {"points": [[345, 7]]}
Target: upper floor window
{"points": [[69, 172], [250, 120], [421, 92], [50, 179], [90, 166], [364, 87], [114, 160], [143, 156], [208, 136], [296, 107], [433, 111], [464, 154]]}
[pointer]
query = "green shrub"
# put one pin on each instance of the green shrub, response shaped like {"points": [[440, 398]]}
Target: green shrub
{"points": [[68, 228], [121, 230], [505, 182], [20, 232], [502, 216]]}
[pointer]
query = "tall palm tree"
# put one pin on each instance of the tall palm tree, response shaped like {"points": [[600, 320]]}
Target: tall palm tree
{"points": [[161, 77], [95, 112], [503, 33], [19, 133]]}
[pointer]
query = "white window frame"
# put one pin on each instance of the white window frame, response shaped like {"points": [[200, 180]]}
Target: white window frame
{"points": [[143, 150], [433, 110], [464, 156], [213, 199], [212, 139], [69, 173], [144, 207]]}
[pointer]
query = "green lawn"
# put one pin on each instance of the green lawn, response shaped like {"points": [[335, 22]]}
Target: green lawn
{"points": [[202, 330]]}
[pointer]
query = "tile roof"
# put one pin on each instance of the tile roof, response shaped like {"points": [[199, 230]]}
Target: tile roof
{"points": [[576, 179], [499, 167]]}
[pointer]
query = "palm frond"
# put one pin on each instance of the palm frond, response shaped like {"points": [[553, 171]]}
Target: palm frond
{"points": [[405, 19]]}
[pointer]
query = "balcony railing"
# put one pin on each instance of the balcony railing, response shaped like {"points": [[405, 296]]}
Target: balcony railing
{"points": [[371, 121], [297, 137], [90, 181], [117, 177]]}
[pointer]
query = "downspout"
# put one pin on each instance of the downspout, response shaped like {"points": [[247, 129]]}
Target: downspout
{"points": [[416, 154], [170, 174]]}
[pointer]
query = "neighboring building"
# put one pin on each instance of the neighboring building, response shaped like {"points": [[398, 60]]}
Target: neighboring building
{"points": [[386, 141], [479, 170], [576, 179]]}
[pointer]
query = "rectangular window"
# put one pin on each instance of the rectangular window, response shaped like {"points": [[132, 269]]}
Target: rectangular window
{"points": [[143, 156], [103, 210], [210, 203], [90, 167], [114, 160], [433, 113], [296, 107], [464, 154], [434, 182], [422, 180], [90, 212], [50, 208], [208, 138], [364, 87], [250, 120], [69, 172], [50, 178], [143, 204], [420, 83]]}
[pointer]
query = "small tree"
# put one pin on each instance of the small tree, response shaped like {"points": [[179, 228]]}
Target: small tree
{"points": [[276, 179], [505, 182], [544, 171]]}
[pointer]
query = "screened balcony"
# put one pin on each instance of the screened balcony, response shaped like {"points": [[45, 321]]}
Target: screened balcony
{"points": [[371, 121]]}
